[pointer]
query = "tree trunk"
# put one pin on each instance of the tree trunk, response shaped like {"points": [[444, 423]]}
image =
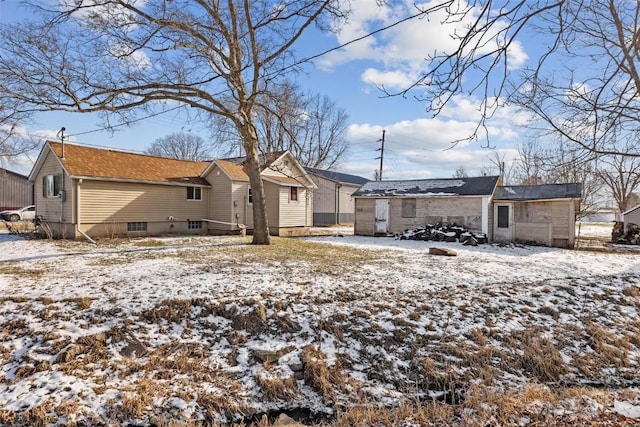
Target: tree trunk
{"points": [[260, 223]]}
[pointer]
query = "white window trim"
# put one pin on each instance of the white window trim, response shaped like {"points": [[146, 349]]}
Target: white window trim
{"points": [[194, 199]]}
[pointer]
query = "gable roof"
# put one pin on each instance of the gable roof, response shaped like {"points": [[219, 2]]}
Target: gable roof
{"points": [[108, 164], [236, 169], [539, 192], [341, 178], [472, 186], [635, 208]]}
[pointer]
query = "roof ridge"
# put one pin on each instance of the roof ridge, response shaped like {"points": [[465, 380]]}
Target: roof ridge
{"points": [[125, 151]]}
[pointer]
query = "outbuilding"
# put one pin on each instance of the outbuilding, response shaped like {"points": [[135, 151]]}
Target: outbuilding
{"points": [[388, 207], [15, 190], [541, 214], [632, 216], [333, 202]]}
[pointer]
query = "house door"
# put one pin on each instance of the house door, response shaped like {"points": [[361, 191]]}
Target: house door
{"points": [[503, 222], [382, 216]]}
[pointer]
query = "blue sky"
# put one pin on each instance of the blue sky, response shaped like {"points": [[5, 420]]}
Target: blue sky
{"points": [[416, 145]]}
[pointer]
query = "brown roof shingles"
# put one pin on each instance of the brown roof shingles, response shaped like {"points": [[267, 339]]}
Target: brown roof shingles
{"points": [[234, 170], [119, 165]]}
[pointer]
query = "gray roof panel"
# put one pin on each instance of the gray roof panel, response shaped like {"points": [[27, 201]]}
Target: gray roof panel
{"points": [[472, 186], [539, 192], [342, 178]]}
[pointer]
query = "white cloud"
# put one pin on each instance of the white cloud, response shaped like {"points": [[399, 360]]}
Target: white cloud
{"points": [[424, 148], [390, 80], [397, 56]]}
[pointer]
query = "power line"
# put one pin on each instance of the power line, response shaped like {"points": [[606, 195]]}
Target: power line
{"points": [[300, 62], [127, 123]]}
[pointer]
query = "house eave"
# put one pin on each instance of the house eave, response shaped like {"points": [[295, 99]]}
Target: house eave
{"points": [[138, 181], [557, 199]]}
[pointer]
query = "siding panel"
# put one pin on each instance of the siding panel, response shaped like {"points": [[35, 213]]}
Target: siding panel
{"points": [[364, 217], [113, 202], [15, 190]]}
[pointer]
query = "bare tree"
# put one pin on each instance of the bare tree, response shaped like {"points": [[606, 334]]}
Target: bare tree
{"points": [[118, 56], [460, 172], [311, 126], [557, 163], [584, 78], [13, 142], [181, 145], [590, 100], [621, 174]]}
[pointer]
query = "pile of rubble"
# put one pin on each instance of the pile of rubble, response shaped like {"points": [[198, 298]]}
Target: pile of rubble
{"points": [[444, 233], [629, 237]]}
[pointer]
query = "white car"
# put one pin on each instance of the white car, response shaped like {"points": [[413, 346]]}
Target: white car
{"points": [[28, 213]]}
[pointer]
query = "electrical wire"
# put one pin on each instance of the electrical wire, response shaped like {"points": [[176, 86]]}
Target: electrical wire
{"points": [[273, 73]]}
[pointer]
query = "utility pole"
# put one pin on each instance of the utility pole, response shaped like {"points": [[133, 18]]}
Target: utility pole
{"points": [[381, 149]]}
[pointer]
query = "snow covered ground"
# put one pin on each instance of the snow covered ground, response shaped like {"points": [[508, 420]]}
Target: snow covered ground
{"points": [[211, 329]]}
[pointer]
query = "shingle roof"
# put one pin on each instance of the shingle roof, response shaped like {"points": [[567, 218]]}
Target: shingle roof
{"points": [[473, 186], [89, 162], [539, 192], [234, 170], [339, 177]]}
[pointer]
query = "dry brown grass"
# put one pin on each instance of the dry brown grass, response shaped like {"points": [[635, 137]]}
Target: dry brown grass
{"points": [[327, 380], [15, 270], [275, 387]]}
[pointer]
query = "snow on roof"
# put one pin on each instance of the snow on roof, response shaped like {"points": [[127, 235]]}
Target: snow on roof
{"points": [[472, 186], [539, 192]]}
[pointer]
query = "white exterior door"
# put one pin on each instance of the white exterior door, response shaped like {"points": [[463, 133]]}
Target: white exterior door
{"points": [[382, 216], [503, 222]]}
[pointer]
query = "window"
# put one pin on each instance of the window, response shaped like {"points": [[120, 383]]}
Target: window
{"points": [[408, 208], [503, 216], [195, 225], [294, 194], [136, 226], [51, 185], [249, 196], [194, 193]]}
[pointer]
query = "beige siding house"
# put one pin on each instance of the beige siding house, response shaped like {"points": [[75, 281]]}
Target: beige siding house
{"points": [[540, 214], [333, 201], [288, 191], [15, 190], [91, 192], [388, 207]]}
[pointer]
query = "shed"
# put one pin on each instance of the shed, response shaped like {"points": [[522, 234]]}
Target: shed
{"points": [[333, 202], [15, 190], [632, 216], [541, 214], [384, 207]]}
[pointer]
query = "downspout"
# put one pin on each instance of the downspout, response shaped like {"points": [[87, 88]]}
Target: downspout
{"points": [[338, 186], [77, 200]]}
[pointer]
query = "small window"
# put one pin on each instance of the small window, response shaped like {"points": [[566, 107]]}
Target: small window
{"points": [[408, 208], [195, 225], [194, 193], [51, 185], [136, 226], [249, 196], [294, 194], [503, 216]]}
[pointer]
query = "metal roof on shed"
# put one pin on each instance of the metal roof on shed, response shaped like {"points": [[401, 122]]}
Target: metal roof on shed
{"points": [[340, 177], [471, 186], [539, 192]]}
